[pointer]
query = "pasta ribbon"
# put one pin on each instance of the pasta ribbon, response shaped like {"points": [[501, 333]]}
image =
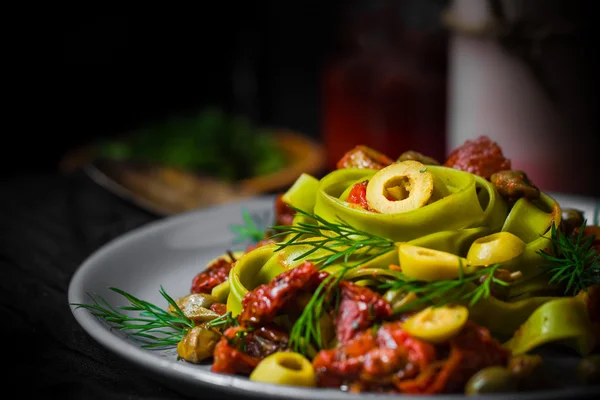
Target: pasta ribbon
{"points": [[532, 222], [564, 321], [459, 209]]}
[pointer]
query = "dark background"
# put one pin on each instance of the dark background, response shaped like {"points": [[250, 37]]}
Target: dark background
{"points": [[79, 72], [88, 72]]}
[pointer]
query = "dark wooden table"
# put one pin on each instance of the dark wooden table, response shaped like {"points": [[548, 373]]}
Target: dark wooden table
{"points": [[50, 224]]}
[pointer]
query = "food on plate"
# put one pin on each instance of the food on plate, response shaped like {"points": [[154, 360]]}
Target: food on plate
{"points": [[406, 276]]}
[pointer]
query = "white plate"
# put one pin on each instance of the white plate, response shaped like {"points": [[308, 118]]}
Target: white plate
{"points": [[169, 253]]}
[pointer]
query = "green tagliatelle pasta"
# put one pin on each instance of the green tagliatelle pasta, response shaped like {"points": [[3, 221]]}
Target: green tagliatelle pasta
{"points": [[464, 207], [460, 209], [563, 320]]}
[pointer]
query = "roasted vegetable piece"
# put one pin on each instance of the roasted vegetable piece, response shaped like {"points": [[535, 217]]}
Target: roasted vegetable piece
{"points": [[437, 324], [514, 184], [494, 379], [495, 248], [196, 306], [429, 265], [416, 156], [481, 156], [364, 157], [285, 368], [400, 187], [198, 344]]}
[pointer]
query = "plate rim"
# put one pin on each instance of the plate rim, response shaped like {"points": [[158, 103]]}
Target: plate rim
{"points": [[176, 371]]}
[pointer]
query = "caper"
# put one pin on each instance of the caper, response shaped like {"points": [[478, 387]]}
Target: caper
{"points": [[492, 380], [589, 369], [198, 344]]}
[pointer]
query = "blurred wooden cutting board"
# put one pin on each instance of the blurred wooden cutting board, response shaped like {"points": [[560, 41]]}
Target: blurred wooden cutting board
{"points": [[165, 190]]}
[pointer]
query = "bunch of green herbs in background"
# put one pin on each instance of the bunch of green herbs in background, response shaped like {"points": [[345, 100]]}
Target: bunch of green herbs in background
{"points": [[213, 143]]}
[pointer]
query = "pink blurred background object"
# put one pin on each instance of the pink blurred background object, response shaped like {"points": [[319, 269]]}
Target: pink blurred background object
{"points": [[517, 75]]}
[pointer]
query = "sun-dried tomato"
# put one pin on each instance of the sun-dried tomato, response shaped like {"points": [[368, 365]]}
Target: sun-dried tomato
{"points": [[215, 274], [240, 349], [471, 350], [258, 244], [262, 304], [359, 308], [374, 360], [358, 195], [481, 156], [219, 308], [389, 359], [284, 215]]}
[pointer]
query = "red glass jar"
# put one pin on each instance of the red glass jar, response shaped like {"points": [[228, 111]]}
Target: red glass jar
{"points": [[385, 86]]}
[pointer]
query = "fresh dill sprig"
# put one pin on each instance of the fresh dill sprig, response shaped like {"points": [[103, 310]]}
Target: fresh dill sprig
{"points": [[153, 325], [340, 239], [223, 321], [572, 260], [306, 331], [464, 288], [253, 229]]}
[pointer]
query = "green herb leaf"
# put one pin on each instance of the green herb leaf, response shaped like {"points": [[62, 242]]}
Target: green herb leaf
{"points": [[466, 288], [157, 327], [253, 229], [572, 260], [340, 239]]}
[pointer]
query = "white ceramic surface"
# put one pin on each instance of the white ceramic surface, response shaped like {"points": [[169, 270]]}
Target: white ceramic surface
{"points": [[169, 253]]}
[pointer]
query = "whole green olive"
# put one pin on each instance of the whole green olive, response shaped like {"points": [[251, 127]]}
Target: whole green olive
{"points": [[198, 344], [285, 368], [527, 369], [492, 380], [589, 369]]}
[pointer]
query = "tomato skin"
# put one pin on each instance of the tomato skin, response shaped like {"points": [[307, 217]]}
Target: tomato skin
{"points": [[358, 309], [284, 215], [215, 274], [240, 349], [374, 360], [358, 195], [391, 360], [262, 304]]}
